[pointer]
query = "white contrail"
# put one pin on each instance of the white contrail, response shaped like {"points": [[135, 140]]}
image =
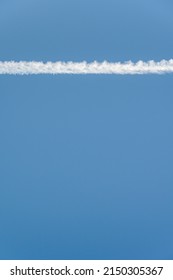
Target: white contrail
{"points": [[34, 67]]}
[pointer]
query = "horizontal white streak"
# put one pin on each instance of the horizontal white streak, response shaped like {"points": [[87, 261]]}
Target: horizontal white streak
{"points": [[34, 67]]}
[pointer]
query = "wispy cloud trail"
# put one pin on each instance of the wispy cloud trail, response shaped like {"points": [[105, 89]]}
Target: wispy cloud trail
{"points": [[34, 67]]}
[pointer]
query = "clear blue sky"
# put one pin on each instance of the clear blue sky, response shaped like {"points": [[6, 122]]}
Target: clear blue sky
{"points": [[86, 162]]}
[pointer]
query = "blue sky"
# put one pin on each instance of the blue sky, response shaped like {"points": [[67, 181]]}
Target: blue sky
{"points": [[86, 161]]}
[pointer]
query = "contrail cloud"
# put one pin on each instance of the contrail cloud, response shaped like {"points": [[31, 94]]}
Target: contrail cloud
{"points": [[105, 67]]}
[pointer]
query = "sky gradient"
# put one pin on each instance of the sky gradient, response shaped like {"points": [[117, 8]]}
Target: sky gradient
{"points": [[86, 161]]}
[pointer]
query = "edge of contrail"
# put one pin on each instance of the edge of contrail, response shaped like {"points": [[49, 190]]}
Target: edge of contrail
{"points": [[105, 67]]}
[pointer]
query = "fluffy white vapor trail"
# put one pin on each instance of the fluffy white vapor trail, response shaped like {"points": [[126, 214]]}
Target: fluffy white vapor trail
{"points": [[105, 67]]}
